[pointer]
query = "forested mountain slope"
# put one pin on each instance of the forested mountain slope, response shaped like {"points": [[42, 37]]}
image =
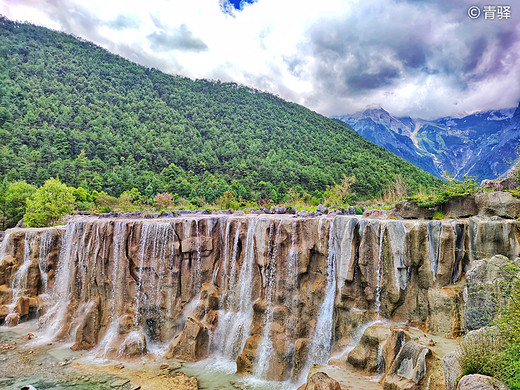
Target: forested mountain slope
{"points": [[71, 109]]}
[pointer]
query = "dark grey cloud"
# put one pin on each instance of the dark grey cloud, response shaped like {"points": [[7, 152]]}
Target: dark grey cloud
{"points": [[383, 76], [383, 45], [179, 39]]}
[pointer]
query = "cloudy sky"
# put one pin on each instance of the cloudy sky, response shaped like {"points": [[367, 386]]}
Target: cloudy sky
{"points": [[420, 58]]}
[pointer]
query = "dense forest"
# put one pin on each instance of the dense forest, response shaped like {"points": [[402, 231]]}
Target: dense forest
{"points": [[70, 109]]}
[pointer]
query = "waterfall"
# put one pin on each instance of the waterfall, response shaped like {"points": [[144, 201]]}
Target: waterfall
{"points": [[434, 241], [266, 348], [19, 283], [320, 343], [45, 248], [379, 286], [117, 294], [54, 322], [198, 266], [235, 318], [153, 248], [397, 234]]}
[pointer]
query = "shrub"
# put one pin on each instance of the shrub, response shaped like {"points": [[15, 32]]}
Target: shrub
{"points": [[227, 201], [163, 200], [49, 203], [13, 202], [438, 215], [340, 194], [359, 210], [103, 202]]}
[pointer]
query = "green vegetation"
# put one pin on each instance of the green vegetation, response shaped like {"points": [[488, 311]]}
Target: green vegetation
{"points": [[340, 194], [450, 189], [70, 109], [49, 203], [495, 351], [13, 198]]}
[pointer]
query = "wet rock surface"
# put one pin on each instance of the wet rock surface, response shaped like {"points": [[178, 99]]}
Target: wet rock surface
{"points": [[320, 381]]}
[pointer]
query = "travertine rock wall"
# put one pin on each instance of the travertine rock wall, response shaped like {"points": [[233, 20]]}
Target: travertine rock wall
{"points": [[266, 291]]}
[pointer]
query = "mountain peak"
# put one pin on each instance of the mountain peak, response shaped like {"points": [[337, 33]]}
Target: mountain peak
{"points": [[517, 112]]}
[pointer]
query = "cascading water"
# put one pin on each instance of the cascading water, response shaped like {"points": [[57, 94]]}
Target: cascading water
{"points": [[434, 238], [266, 348], [320, 343], [19, 283], [155, 241], [235, 318], [117, 297], [230, 292], [198, 265], [54, 323], [379, 286], [46, 239]]}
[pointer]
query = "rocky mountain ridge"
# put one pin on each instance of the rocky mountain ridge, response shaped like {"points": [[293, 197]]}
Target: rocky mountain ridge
{"points": [[481, 144]]}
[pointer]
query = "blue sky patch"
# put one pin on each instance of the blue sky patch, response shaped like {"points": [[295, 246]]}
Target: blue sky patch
{"points": [[229, 6]]}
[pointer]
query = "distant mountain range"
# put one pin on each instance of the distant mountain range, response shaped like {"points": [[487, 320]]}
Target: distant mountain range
{"points": [[481, 144]]}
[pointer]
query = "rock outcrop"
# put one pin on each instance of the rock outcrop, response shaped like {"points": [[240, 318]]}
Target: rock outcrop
{"points": [[501, 204], [487, 281]]}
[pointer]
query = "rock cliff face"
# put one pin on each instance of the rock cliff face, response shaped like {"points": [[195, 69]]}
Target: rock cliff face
{"points": [[275, 294]]}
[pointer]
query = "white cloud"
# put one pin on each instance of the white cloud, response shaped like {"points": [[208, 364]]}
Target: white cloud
{"points": [[334, 57]]}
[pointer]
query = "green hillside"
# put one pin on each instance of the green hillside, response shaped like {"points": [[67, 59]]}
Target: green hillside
{"points": [[72, 110]]}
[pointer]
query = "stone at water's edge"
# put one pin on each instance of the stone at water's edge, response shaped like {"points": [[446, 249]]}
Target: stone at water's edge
{"points": [[367, 355], [480, 382], [409, 367], [452, 370], [320, 381], [208, 285]]}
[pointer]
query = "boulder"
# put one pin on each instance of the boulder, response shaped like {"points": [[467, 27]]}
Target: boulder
{"points": [[22, 306], [460, 207], [486, 280], [480, 382], [4, 312], [410, 210], [279, 210], [506, 184], [320, 381], [88, 330], [409, 367], [445, 314], [300, 354], [392, 346], [246, 360], [366, 355], [193, 342], [133, 345], [375, 213], [502, 204], [452, 370]]}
